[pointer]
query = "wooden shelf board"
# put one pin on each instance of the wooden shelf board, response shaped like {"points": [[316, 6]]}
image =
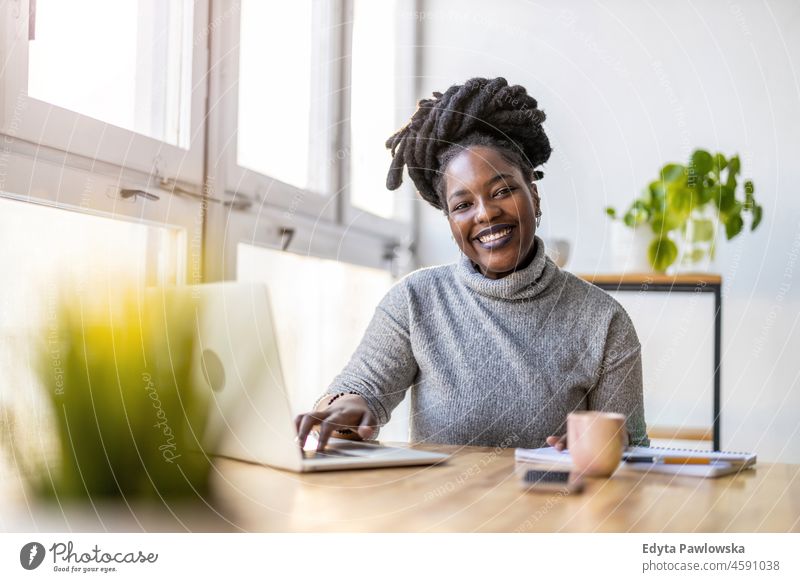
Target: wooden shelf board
{"points": [[651, 278]]}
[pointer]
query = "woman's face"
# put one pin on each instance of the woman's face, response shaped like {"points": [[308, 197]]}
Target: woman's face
{"points": [[491, 210]]}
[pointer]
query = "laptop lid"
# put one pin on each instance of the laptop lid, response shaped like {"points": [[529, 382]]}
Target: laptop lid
{"points": [[237, 361]]}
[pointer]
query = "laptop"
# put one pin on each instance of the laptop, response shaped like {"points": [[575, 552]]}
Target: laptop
{"points": [[250, 419]]}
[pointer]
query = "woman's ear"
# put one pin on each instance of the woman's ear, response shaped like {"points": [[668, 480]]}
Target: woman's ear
{"points": [[537, 201]]}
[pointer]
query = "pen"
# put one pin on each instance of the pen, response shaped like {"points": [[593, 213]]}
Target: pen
{"points": [[686, 461], [669, 460], [639, 459]]}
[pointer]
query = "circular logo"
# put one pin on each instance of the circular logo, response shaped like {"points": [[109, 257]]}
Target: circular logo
{"points": [[31, 555], [213, 370]]}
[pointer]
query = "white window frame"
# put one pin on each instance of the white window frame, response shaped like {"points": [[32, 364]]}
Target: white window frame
{"points": [[244, 181], [273, 228], [45, 176], [404, 197], [42, 123], [325, 226]]}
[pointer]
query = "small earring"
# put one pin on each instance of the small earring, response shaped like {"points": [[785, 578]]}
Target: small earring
{"points": [[538, 218]]}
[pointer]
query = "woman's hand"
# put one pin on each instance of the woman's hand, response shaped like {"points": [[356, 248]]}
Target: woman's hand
{"points": [[559, 443], [348, 411]]}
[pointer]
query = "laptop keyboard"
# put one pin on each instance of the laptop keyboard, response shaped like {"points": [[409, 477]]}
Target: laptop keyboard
{"points": [[326, 454]]}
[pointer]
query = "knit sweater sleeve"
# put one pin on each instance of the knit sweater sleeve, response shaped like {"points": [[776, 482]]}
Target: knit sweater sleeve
{"points": [[383, 365], [619, 379]]}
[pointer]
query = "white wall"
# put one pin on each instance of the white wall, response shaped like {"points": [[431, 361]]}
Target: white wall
{"points": [[628, 86]]}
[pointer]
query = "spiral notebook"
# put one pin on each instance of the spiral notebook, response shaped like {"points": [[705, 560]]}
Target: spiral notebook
{"points": [[672, 461]]}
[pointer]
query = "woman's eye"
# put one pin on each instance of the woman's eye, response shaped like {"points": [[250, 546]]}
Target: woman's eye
{"points": [[504, 191], [460, 206]]}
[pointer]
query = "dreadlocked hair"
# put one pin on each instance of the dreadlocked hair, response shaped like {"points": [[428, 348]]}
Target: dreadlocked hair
{"points": [[485, 112]]}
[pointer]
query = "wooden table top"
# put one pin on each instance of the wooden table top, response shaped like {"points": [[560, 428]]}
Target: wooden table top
{"points": [[476, 490]]}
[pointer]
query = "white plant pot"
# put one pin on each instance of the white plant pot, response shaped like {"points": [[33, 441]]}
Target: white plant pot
{"points": [[558, 250], [698, 256], [629, 248]]}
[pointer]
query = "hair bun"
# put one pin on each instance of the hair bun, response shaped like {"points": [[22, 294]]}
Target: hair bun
{"points": [[481, 111]]}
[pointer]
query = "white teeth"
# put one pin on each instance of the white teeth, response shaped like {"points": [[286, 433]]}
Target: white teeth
{"points": [[495, 236]]}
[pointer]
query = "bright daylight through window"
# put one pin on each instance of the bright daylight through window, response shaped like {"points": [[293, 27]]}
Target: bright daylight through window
{"points": [[133, 71]]}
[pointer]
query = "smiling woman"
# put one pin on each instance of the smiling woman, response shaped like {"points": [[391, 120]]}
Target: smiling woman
{"points": [[500, 346]]}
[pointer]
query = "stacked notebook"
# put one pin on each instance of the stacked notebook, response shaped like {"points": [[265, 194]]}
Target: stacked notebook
{"points": [[685, 462]]}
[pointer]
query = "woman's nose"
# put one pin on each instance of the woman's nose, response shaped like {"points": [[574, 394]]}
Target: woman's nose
{"points": [[487, 210]]}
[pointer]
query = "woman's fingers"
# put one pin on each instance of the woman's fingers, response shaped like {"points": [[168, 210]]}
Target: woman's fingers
{"points": [[306, 422], [366, 429], [334, 422], [353, 414], [559, 443]]}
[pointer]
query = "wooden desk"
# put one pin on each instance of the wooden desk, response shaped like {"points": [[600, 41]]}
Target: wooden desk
{"points": [[476, 490]]}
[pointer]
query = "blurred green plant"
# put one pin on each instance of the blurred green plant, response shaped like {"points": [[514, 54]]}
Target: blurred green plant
{"points": [[688, 202], [117, 370]]}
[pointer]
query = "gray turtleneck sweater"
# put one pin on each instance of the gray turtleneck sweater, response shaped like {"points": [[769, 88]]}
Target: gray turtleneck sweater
{"points": [[497, 362]]}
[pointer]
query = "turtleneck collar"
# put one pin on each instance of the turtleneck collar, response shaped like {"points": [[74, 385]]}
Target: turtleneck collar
{"points": [[522, 284]]}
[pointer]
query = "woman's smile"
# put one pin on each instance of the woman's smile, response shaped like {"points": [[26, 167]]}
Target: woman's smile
{"points": [[495, 237]]}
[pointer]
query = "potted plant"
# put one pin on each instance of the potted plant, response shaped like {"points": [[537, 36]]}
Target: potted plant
{"points": [[124, 417], [685, 206]]}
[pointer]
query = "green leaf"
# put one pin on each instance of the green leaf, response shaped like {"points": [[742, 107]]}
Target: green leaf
{"points": [[714, 192], [641, 206], [703, 230], [733, 170], [703, 194], [661, 224], [733, 226], [611, 211], [646, 199], [758, 214], [702, 162], [658, 191], [749, 188], [672, 172], [734, 165], [727, 199], [629, 219], [636, 215], [679, 202], [662, 252], [719, 163]]}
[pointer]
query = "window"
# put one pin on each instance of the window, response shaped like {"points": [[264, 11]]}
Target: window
{"points": [[120, 82], [43, 248], [278, 68], [140, 80], [277, 110], [374, 104], [308, 133]]}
